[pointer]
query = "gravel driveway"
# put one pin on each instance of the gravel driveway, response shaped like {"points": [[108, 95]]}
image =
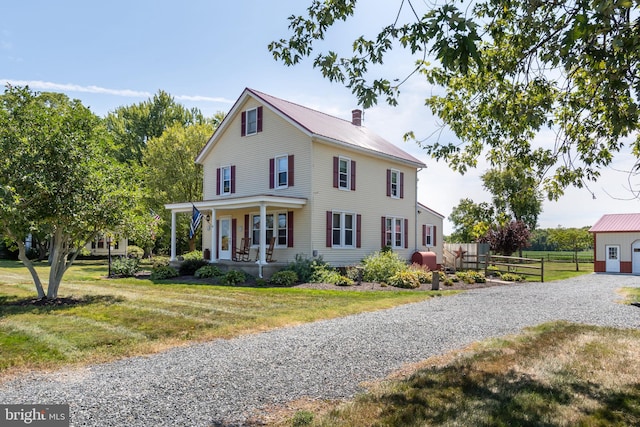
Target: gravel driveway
{"points": [[223, 381]]}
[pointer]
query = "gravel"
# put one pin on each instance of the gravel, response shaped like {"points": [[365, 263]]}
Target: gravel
{"points": [[223, 382]]}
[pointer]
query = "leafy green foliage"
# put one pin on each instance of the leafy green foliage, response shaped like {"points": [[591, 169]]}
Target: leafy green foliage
{"points": [[234, 277], [331, 275], [163, 272], [207, 271], [135, 252], [511, 277], [284, 278], [306, 268], [470, 220], [125, 267], [193, 255], [380, 266], [509, 70], [422, 273], [407, 279], [58, 180]]}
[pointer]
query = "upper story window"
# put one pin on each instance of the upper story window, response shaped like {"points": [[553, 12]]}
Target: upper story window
{"points": [[226, 180], [429, 235], [395, 184], [344, 173], [281, 171], [251, 121]]}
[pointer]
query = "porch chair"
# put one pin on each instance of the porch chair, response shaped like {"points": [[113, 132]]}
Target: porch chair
{"points": [[242, 253], [268, 251]]}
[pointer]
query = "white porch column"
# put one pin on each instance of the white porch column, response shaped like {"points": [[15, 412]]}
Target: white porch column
{"points": [[173, 235], [214, 241], [263, 237]]}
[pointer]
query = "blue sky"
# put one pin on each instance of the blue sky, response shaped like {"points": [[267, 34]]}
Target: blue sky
{"points": [[204, 53]]}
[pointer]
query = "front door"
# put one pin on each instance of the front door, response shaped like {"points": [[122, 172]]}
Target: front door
{"points": [[224, 242], [635, 257], [613, 258]]}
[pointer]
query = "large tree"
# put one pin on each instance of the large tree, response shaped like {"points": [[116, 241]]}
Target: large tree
{"points": [[171, 174], [56, 178], [470, 221], [132, 126], [571, 239], [509, 69]]}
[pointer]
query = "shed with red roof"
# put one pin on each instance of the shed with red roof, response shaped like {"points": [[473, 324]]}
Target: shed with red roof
{"points": [[616, 239]]}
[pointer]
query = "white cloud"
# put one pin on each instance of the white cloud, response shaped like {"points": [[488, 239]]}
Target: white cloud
{"points": [[68, 87]]}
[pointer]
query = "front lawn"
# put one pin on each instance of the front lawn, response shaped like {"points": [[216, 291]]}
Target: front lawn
{"points": [[106, 319]]}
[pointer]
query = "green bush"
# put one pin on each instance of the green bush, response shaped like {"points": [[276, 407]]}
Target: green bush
{"points": [[160, 261], [163, 272], [125, 267], [135, 252], [511, 277], [192, 255], [422, 272], [380, 266], [302, 419], [354, 273], [404, 279], [332, 276], [284, 278], [305, 267], [471, 277], [207, 271], [190, 266], [233, 277]]}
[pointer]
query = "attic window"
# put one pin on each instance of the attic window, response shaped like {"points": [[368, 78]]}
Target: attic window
{"points": [[251, 121]]}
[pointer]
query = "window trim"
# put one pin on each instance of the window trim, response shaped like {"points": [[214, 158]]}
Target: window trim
{"points": [[347, 186], [222, 180], [276, 172], [394, 194], [343, 229], [429, 231], [393, 234], [248, 112], [275, 230]]}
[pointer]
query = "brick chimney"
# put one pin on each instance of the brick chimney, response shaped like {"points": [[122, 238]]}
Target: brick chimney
{"points": [[356, 117]]}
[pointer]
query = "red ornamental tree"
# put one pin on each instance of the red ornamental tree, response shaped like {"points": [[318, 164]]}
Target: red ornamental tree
{"points": [[505, 239]]}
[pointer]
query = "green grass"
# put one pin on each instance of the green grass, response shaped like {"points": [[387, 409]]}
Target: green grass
{"points": [[556, 374], [124, 317]]}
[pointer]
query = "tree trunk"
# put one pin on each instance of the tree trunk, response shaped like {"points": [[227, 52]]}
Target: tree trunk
{"points": [[22, 256]]}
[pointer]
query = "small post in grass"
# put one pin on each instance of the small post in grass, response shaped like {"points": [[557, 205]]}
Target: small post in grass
{"points": [[109, 251]]}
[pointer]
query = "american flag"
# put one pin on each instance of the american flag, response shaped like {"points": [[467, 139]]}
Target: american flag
{"points": [[196, 219]]}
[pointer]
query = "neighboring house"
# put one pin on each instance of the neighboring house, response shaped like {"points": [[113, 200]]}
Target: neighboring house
{"points": [[100, 247], [616, 243], [320, 185]]}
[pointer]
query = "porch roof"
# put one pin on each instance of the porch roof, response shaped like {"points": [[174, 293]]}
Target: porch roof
{"points": [[240, 203]]}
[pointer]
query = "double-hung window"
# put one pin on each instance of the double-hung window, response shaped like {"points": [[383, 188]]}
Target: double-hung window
{"points": [[225, 180], [252, 121], [395, 184], [275, 225], [429, 235], [344, 173], [394, 232], [343, 230], [282, 172]]}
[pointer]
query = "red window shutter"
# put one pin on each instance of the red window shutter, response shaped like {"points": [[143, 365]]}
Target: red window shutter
{"points": [[388, 182], [272, 172], [383, 240], [353, 175], [290, 229], [234, 227], [424, 235], [433, 237], [402, 185], [246, 226], [218, 182], [259, 124], [329, 229], [336, 167], [406, 233], [358, 231], [243, 129], [233, 179], [290, 172]]}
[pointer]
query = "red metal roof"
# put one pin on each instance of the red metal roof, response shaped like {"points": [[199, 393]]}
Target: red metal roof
{"points": [[325, 126], [617, 223]]}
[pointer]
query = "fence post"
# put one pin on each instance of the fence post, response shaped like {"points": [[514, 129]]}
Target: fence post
{"points": [[542, 270]]}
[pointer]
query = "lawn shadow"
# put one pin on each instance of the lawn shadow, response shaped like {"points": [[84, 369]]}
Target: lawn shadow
{"points": [[9, 306]]}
